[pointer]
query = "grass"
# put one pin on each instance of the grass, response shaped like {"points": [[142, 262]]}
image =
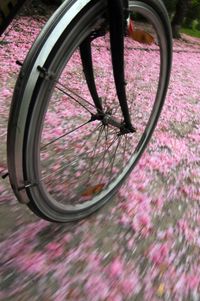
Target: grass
{"points": [[191, 32]]}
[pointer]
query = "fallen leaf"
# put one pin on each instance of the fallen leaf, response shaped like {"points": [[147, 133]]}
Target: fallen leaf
{"points": [[142, 36], [93, 190]]}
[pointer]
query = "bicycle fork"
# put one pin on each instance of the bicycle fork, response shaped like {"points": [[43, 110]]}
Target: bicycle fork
{"points": [[117, 10], [117, 14]]}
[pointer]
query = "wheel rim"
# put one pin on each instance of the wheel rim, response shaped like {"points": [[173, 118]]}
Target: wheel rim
{"points": [[79, 171]]}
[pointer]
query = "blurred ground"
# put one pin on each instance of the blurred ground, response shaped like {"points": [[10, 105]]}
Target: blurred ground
{"points": [[143, 245]]}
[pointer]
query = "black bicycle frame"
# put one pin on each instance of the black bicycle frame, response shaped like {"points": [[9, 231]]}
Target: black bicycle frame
{"points": [[117, 13], [118, 10], [8, 10]]}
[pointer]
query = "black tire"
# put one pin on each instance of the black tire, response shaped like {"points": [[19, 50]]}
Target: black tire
{"points": [[53, 59]]}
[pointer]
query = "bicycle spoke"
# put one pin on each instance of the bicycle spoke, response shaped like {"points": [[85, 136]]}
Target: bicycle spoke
{"points": [[94, 152], [73, 98], [64, 135], [106, 150], [110, 161], [124, 151], [113, 158]]}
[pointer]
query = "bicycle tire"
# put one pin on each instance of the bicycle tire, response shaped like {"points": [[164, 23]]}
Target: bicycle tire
{"points": [[45, 64]]}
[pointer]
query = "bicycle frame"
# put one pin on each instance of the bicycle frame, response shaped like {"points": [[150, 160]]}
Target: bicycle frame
{"points": [[117, 10], [8, 10]]}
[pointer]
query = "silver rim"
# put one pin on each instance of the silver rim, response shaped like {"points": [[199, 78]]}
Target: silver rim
{"points": [[42, 195]]}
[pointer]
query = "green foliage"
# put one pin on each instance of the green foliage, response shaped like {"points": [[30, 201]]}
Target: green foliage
{"points": [[193, 13], [191, 32], [192, 19], [193, 9], [198, 26]]}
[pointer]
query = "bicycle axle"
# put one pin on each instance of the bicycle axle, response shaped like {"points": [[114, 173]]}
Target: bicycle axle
{"points": [[107, 119]]}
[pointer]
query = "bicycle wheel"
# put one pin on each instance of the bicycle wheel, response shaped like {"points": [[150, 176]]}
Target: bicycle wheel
{"points": [[64, 163]]}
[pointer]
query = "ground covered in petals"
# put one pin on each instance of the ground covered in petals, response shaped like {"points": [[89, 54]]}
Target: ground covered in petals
{"points": [[144, 244]]}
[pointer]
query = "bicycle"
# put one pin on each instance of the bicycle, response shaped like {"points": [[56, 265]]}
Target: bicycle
{"points": [[77, 126]]}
